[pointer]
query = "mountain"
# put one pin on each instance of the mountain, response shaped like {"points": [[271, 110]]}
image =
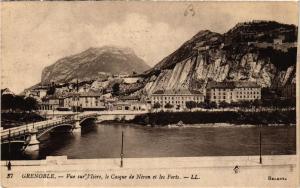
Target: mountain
{"points": [[93, 63], [259, 51]]}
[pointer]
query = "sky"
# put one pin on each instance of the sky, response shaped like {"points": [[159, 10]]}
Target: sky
{"points": [[36, 34]]}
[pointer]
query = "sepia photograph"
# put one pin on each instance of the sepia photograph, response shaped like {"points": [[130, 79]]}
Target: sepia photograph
{"points": [[149, 93]]}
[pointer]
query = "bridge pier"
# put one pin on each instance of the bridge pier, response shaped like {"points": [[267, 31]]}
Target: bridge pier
{"points": [[77, 127], [33, 143]]}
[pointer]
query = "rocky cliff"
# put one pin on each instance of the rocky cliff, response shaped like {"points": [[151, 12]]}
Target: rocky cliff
{"points": [[259, 51], [92, 63]]}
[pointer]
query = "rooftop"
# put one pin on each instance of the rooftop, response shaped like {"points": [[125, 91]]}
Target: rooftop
{"points": [[90, 93], [177, 92], [124, 98], [232, 84]]}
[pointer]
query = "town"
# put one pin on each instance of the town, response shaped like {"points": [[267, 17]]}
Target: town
{"points": [[71, 98]]}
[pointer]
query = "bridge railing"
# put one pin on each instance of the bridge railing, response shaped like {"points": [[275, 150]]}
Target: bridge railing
{"points": [[24, 129], [17, 131]]}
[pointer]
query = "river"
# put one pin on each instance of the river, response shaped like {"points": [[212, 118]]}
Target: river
{"points": [[104, 141]]}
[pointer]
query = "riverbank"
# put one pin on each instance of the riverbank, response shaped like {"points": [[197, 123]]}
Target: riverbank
{"points": [[15, 119], [275, 170], [202, 117]]}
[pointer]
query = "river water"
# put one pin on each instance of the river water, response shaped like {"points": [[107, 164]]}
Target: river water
{"points": [[104, 141]]}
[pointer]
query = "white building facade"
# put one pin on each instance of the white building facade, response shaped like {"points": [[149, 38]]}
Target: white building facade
{"points": [[177, 99], [233, 91]]}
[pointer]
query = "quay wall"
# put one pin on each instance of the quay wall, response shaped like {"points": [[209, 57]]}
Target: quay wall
{"points": [[177, 171]]}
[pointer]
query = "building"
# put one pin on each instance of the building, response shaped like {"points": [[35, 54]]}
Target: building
{"points": [[131, 80], [130, 106], [90, 100], [84, 88], [98, 84], [130, 99], [176, 98], [131, 103], [121, 75], [51, 103], [289, 91], [232, 91], [37, 93]]}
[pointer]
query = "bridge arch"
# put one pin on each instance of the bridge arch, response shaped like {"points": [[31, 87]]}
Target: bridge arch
{"points": [[87, 118], [54, 127]]}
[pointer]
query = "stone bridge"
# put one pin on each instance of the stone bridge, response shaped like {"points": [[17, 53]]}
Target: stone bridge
{"points": [[30, 133]]}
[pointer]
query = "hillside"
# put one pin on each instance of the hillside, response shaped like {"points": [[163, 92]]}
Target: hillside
{"points": [[259, 51], [92, 63]]}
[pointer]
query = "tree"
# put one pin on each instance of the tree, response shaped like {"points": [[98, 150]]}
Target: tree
{"points": [[31, 104], [234, 104], [146, 120], [7, 101], [51, 90], [212, 105], [168, 105], [257, 103], [19, 103], [156, 105], [116, 89], [245, 104], [11, 102], [191, 104], [291, 102], [201, 105], [223, 104]]}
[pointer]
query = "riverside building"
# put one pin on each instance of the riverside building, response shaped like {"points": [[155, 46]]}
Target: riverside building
{"points": [[85, 100], [131, 103], [176, 98], [51, 102], [233, 91]]}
